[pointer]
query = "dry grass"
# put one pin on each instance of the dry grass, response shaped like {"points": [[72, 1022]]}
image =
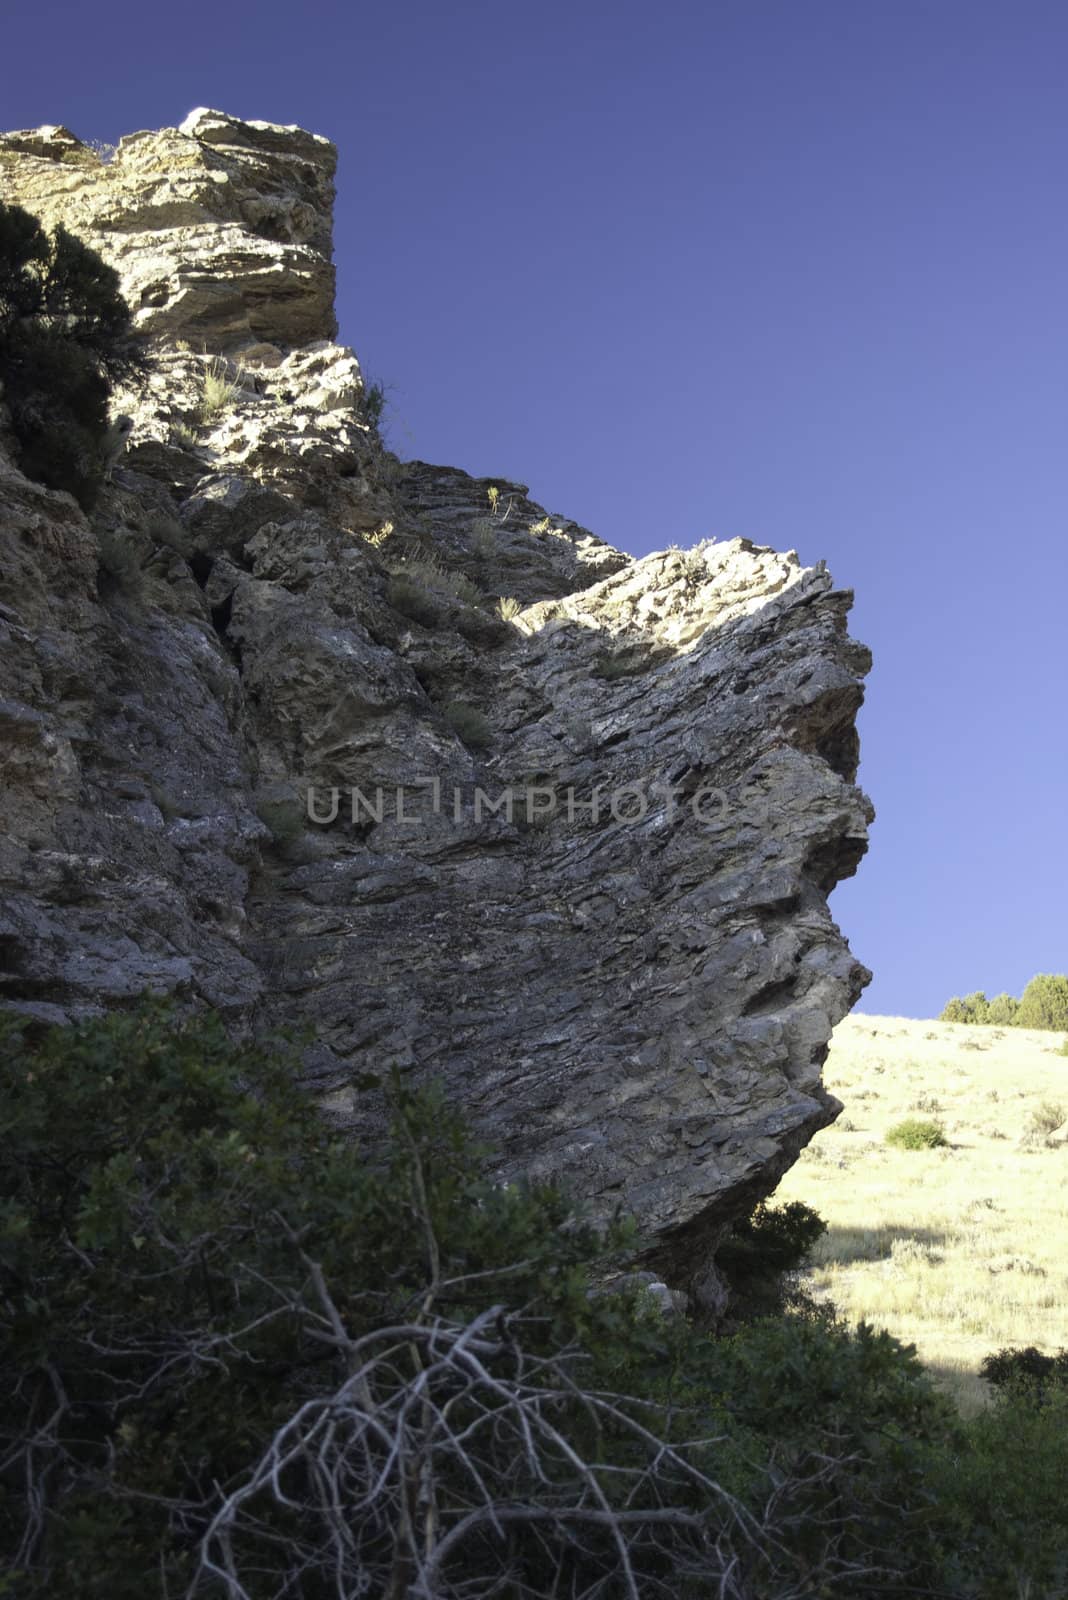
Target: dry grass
{"points": [[431, 575], [217, 396], [960, 1250]]}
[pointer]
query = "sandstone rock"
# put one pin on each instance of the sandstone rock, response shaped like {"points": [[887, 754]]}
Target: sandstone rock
{"points": [[627, 973]]}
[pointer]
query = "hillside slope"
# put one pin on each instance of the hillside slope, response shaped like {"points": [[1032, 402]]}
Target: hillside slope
{"points": [[960, 1250]]}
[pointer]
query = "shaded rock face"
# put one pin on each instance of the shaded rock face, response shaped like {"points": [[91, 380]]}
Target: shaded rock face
{"points": [[571, 853]]}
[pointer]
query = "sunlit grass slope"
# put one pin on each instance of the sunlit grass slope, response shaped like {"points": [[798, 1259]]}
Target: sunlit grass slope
{"points": [[959, 1250]]}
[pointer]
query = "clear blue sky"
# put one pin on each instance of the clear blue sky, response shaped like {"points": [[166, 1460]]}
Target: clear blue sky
{"points": [[796, 271]]}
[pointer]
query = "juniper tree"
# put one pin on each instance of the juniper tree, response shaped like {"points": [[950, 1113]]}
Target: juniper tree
{"points": [[64, 340]]}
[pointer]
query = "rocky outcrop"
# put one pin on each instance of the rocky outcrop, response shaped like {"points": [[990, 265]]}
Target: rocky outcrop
{"points": [[221, 229], [577, 814]]}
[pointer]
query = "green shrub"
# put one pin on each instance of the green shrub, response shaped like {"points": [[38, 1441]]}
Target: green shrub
{"points": [[781, 1236], [1001, 1501], [64, 339], [916, 1133], [762, 1248], [1029, 1370], [1044, 1003], [969, 1008], [181, 1235], [1002, 1009], [797, 1393], [372, 404], [472, 727]]}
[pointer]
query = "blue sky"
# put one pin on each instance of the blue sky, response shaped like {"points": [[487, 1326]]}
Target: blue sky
{"points": [[791, 271]]}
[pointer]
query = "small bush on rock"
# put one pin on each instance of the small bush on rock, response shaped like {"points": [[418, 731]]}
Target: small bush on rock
{"points": [[440, 580], [484, 539], [120, 559], [218, 393], [472, 727], [372, 404], [480, 628], [628, 661], [412, 600]]}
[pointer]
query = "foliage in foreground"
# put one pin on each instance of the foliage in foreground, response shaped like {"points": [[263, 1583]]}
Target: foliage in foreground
{"points": [[244, 1359], [1043, 1004], [63, 340]]}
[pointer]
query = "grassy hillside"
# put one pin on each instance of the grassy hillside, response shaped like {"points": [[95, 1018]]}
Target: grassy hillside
{"points": [[962, 1249]]}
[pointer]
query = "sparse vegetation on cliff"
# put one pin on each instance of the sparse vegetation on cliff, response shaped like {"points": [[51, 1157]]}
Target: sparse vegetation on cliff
{"points": [[470, 723], [373, 404], [412, 601], [64, 337], [217, 395]]}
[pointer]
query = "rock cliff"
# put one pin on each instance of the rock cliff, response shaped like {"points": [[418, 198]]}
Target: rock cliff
{"points": [[573, 851]]}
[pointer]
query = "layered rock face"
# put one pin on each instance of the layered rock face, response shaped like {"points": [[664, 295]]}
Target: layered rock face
{"points": [[221, 229], [572, 853]]}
